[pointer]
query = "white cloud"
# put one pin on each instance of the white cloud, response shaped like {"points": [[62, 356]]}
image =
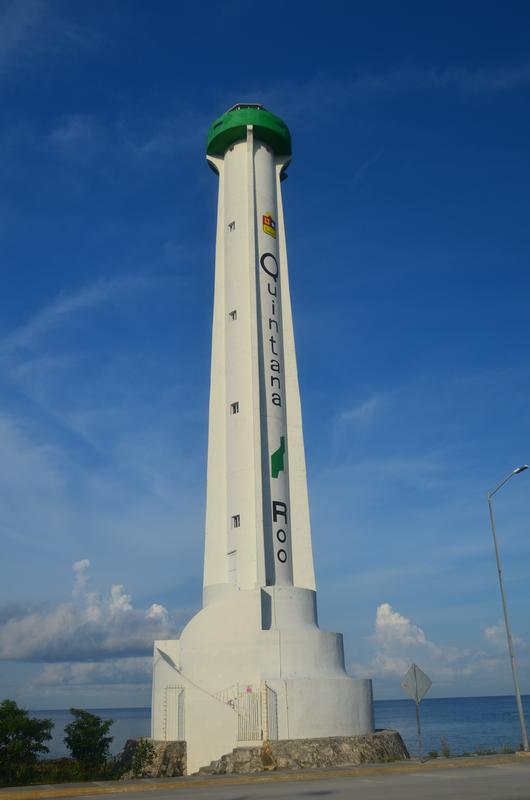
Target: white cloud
{"points": [[98, 627], [397, 642], [81, 578], [496, 634], [157, 612], [121, 671], [396, 637], [119, 602], [392, 627]]}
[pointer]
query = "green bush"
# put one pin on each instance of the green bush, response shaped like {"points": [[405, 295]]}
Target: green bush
{"points": [[68, 770], [21, 743], [444, 748], [484, 751], [58, 770], [87, 739]]}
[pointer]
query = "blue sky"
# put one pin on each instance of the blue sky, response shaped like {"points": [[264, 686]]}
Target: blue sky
{"points": [[407, 224]]}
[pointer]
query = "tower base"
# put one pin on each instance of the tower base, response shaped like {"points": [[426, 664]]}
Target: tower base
{"points": [[253, 666], [335, 751]]}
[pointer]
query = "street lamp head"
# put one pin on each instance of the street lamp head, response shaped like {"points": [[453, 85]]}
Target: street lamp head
{"points": [[515, 471]]}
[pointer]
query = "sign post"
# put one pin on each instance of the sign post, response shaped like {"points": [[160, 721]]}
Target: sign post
{"points": [[416, 684]]}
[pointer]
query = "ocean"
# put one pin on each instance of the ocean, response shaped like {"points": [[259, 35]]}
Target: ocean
{"points": [[466, 724]]}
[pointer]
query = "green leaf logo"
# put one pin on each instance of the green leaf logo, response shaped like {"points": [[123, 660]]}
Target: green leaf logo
{"points": [[277, 459]]}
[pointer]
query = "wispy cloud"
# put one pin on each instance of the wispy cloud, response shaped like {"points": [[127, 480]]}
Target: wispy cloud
{"points": [[30, 334], [363, 414], [124, 138], [500, 79], [424, 472], [326, 92], [84, 134], [114, 142], [166, 135], [30, 28], [93, 436], [54, 500], [19, 27], [360, 172], [24, 463]]}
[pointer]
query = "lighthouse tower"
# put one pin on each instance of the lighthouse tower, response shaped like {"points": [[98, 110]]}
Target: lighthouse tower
{"points": [[253, 665]]}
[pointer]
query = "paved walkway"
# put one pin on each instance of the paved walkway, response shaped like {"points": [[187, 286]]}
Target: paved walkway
{"points": [[497, 777]]}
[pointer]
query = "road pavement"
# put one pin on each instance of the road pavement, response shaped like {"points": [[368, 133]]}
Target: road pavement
{"points": [[485, 778]]}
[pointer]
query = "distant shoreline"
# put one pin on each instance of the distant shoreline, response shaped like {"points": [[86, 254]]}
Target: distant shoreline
{"points": [[376, 700]]}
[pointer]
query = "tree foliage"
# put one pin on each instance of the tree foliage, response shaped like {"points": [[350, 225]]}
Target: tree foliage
{"points": [[87, 739], [21, 742]]}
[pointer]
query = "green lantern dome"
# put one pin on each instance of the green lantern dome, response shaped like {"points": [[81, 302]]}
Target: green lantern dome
{"points": [[232, 127]]}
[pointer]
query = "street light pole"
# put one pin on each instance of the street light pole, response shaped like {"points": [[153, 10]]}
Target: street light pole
{"points": [[524, 736]]}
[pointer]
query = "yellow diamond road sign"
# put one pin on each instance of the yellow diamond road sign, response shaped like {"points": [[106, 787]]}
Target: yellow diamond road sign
{"points": [[416, 683]]}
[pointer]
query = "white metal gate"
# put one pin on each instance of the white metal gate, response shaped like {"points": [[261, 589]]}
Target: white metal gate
{"points": [[248, 716], [246, 704], [270, 713], [174, 714]]}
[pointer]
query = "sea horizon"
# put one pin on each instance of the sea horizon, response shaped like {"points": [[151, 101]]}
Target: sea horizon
{"points": [[376, 700], [457, 725]]}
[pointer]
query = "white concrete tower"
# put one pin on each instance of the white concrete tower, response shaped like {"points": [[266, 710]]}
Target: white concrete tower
{"points": [[253, 664]]}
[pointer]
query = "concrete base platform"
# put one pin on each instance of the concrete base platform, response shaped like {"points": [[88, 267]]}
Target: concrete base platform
{"points": [[334, 751], [168, 760]]}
